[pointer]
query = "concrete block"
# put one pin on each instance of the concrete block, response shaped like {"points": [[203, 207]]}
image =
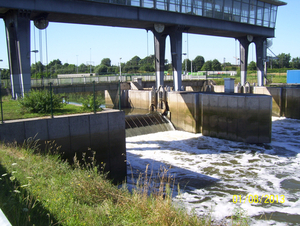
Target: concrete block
{"points": [[58, 127], [99, 135], [79, 133], [37, 129], [12, 131], [252, 103]]}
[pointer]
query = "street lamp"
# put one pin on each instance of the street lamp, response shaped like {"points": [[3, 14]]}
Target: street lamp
{"points": [[77, 63], [185, 63], [120, 78]]}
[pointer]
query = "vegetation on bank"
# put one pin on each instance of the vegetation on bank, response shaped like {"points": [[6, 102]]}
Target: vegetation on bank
{"points": [[42, 189], [37, 104], [147, 65]]}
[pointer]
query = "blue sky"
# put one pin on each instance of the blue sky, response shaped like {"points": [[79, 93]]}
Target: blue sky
{"points": [[72, 43]]}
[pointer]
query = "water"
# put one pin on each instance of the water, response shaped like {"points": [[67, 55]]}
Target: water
{"points": [[212, 171], [145, 124]]}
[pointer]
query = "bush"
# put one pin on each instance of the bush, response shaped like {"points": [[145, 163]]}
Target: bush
{"points": [[88, 103], [40, 101]]}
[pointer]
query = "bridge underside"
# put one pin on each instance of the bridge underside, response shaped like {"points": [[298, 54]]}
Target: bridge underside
{"points": [[96, 13], [18, 13]]}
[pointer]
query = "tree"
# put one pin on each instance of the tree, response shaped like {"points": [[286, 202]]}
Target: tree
{"points": [[188, 64], [100, 69], [252, 66], [83, 68], [296, 63], [283, 61], [147, 60], [207, 66], [216, 65], [132, 65], [198, 63], [106, 62]]}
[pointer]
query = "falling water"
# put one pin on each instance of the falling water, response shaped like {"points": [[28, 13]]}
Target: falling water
{"points": [[145, 124]]}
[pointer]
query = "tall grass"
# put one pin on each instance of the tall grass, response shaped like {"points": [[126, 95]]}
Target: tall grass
{"points": [[51, 192]]}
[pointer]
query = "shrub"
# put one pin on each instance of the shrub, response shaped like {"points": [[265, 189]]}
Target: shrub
{"points": [[40, 101], [88, 103]]}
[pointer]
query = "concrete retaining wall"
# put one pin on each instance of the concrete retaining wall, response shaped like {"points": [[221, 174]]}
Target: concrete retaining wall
{"points": [[242, 117], [185, 111], [139, 99], [103, 133], [238, 117], [286, 100]]}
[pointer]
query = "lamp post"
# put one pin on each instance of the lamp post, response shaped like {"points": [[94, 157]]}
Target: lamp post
{"points": [[185, 63], [77, 63], [120, 76]]}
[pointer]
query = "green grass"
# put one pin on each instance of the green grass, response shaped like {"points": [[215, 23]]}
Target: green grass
{"points": [[41, 189], [252, 78], [13, 110]]}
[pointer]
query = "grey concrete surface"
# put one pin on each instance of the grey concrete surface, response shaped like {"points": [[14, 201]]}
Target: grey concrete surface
{"points": [[102, 133]]}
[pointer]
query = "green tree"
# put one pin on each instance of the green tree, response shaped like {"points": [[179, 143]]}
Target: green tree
{"points": [[101, 69], [207, 66], [283, 61], [106, 62], [252, 66], [296, 62], [132, 65], [188, 65], [198, 63], [83, 68], [216, 65]]}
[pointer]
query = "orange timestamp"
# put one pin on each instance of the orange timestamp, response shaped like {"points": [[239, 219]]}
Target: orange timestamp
{"points": [[258, 199]]}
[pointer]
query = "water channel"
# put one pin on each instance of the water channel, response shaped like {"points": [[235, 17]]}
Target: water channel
{"points": [[222, 177]]}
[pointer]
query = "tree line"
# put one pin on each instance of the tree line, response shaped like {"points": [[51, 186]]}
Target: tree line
{"points": [[145, 65]]}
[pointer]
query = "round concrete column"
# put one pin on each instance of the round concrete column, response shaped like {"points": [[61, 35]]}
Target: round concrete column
{"points": [[176, 52], [244, 46], [17, 25], [260, 54], [159, 51]]}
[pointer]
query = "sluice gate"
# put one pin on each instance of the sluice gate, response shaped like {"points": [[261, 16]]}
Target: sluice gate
{"points": [[144, 124]]}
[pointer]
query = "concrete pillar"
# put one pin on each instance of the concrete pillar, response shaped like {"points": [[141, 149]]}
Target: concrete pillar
{"points": [[159, 51], [17, 25], [244, 46], [260, 52], [176, 51]]}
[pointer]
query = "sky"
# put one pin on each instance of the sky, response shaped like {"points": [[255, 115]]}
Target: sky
{"points": [[76, 44]]}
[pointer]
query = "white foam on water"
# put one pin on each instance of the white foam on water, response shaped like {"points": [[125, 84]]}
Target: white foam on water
{"points": [[212, 171]]}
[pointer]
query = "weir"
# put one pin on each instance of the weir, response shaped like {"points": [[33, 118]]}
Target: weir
{"points": [[144, 124], [233, 116]]}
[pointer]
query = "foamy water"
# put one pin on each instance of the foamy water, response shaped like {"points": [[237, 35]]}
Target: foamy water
{"points": [[212, 171]]}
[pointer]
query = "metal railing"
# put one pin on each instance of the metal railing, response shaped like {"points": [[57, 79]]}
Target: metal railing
{"points": [[6, 83], [92, 106]]}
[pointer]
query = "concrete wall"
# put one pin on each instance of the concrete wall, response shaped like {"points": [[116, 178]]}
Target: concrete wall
{"points": [[103, 133], [139, 99], [286, 100], [185, 111], [292, 103], [238, 117]]}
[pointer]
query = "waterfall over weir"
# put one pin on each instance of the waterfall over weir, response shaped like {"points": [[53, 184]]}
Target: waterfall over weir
{"points": [[144, 124]]}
